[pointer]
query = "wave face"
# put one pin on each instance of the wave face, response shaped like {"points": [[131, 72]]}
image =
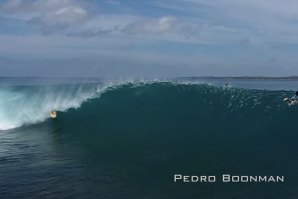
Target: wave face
{"points": [[197, 106], [168, 107]]}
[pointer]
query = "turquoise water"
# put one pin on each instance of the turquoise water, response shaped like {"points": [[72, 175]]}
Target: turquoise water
{"points": [[126, 139]]}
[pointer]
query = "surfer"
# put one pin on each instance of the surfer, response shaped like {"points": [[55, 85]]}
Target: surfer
{"points": [[53, 114], [293, 100]]}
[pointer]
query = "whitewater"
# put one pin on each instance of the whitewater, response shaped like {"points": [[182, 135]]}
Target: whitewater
{"points": [[30, 104]]}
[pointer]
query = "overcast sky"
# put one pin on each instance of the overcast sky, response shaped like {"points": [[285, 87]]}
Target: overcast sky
{"points": [[154, 38]]}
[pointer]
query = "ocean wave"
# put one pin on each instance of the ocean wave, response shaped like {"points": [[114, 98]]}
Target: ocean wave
{"points": [[25, 105]]}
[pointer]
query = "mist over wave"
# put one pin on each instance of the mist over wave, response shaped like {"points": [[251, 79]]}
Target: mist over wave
{"points": [[21, 105]]}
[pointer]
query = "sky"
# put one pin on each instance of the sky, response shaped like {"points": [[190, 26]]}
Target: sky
{"points": [[148, 38]]}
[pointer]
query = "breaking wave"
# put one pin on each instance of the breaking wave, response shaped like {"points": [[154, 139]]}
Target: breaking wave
{"points": [[30, 104], [23, 105]]}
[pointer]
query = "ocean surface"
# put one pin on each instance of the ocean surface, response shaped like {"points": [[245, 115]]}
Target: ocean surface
{"points": [[127, 138]]}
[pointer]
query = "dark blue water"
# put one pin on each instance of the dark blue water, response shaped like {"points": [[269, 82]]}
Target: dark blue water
{"points": [[127, 139]]}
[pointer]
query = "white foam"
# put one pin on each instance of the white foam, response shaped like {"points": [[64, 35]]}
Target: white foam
{"points": [[25, 106]]}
